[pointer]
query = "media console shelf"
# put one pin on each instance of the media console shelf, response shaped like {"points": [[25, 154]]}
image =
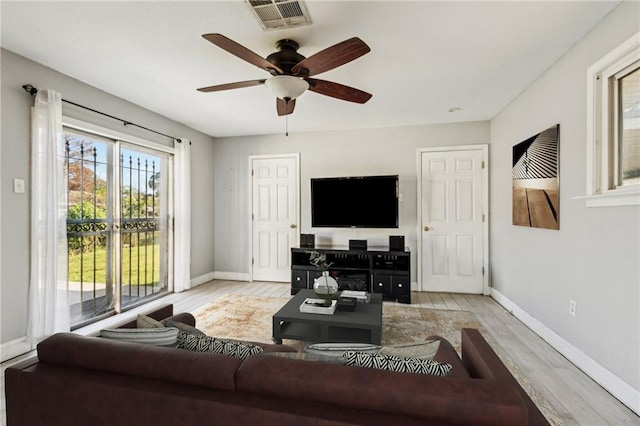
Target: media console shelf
{"points": [[377, 271]]}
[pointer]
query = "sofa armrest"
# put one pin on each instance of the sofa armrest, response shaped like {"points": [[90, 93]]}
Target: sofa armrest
{"points": [[447, 354], [482, 362], [183, 317]]}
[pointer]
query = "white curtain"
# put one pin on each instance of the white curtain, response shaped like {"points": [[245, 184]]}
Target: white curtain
{"points": [[182, 215], [48, 293]]}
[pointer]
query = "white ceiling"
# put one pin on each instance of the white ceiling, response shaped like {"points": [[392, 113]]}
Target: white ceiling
{"points": [[426, 56]]}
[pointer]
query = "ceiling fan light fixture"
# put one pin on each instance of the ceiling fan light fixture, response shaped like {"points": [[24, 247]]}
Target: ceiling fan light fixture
{"points": [[286, 87]]}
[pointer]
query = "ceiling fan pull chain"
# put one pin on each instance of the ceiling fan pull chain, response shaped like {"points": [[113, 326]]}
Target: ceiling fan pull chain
{"points": [[286, 132]]}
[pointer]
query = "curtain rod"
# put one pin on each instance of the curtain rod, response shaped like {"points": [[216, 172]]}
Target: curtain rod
{"points": [[30, 89]]}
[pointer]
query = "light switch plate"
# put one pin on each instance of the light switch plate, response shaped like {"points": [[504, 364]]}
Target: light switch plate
{"points": [[18, 186]]}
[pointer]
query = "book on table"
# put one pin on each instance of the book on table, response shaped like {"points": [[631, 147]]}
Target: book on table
{"points": [[359, 295], [317, 306]]}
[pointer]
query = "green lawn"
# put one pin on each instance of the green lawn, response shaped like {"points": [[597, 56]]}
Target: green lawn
{"points": [[134, 259]]}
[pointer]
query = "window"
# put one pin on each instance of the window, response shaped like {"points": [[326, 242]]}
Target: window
{"points": [[118, 231], [628, 118], [613, 133]]}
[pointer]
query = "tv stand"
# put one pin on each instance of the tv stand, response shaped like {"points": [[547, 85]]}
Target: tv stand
{"points": [[377, 271]]}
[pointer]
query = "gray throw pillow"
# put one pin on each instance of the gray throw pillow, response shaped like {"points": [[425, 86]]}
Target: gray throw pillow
{"points": [[338, 349], [166, 336]]}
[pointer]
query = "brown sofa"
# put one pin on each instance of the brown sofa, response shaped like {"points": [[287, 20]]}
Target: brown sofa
{"points": [[79, 380]]}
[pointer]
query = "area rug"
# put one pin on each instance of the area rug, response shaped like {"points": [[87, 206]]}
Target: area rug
{"points": [[249, 318]]}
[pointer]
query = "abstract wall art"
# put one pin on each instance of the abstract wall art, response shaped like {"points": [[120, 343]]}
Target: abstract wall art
{"points": [[536, 186]]}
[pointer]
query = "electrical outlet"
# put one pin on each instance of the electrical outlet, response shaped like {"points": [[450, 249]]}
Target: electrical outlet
{"points": [[572, 307]]}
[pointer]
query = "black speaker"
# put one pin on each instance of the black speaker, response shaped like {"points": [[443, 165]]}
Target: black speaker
{"points": [[307, 240], [396, 242], [357, 244]]}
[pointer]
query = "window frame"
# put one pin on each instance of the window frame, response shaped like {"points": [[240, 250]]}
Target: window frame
{"points": [[603, 128]]}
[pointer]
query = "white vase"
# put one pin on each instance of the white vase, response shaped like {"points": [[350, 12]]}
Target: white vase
{"points": [[325, 285]]}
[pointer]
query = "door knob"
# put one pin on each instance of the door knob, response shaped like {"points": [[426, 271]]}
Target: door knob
{"points": [[293, 226], [426, 228]]}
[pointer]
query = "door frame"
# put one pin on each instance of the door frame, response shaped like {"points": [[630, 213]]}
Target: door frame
{"points": [[252, 158], [484, 148]]}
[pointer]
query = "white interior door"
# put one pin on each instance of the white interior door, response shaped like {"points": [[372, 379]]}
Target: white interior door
{"points": [[452, 201], [275, 216]]}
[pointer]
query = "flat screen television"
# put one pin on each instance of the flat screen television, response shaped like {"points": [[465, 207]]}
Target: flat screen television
{"points": [[354, 202]]}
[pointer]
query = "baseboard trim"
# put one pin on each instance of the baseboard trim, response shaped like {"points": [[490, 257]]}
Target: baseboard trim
{"points": [[231, 276], [617, 387], [201, 279], [14, 348]]}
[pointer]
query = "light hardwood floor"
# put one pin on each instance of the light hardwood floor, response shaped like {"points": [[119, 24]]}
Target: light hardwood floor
{"points": [[576, 398]]}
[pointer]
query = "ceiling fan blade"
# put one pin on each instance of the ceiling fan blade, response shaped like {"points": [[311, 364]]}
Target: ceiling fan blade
{"points": [[242, 52], [285, 108], [229, 86], [332, 57], [338, 91]]}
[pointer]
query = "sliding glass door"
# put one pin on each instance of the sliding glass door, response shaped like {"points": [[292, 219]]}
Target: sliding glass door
{"points": [[143, 257], [117, 227]]}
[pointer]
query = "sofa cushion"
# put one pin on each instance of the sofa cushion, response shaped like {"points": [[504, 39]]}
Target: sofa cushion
{"points": [[397, 364], [439, 400], [166, 336], [203, 343], [306, 356], [172, 365]]}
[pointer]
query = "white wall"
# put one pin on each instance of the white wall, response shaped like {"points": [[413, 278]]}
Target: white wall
{"points": [[326, 154], [16, 103], [594, 259]]}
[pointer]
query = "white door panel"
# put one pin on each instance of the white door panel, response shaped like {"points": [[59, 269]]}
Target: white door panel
{"points": [[451, 220], [275, 216]]}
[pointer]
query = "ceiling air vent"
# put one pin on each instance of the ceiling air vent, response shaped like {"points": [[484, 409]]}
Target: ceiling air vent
{"points": [[277, 14]]}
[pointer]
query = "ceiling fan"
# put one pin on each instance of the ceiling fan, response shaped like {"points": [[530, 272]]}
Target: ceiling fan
{"points": [[291, 72]]}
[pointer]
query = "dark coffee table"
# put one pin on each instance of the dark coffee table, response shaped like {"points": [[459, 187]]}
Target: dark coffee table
{"points": [[363, 325]]}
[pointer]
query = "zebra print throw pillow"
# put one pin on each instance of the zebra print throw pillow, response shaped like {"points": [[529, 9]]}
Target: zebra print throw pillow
{"points": [[203, 343], [394, 363]]}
